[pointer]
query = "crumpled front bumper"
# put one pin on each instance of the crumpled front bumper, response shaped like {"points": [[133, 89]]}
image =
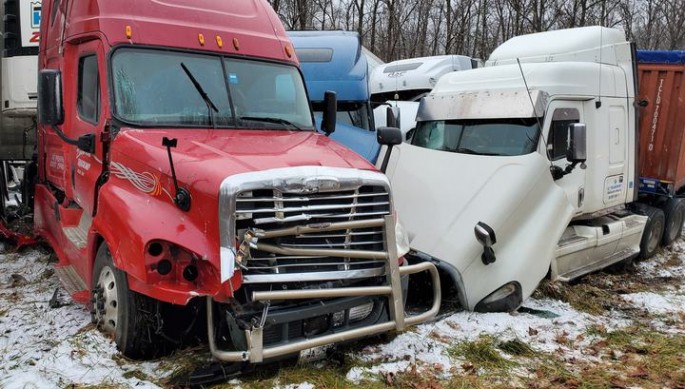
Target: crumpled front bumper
{"points": [[256, 351]]}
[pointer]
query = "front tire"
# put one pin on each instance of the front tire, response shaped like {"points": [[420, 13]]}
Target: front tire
{"points": [[121, 313]]}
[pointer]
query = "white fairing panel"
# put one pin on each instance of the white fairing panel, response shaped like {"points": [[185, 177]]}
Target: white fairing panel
{"points": [[440, 196]]}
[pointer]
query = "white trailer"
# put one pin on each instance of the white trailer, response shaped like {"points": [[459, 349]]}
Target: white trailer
{"points": [[18, 87]]}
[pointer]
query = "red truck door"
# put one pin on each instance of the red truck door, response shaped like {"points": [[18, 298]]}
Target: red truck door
{"points": [[85, 168]]}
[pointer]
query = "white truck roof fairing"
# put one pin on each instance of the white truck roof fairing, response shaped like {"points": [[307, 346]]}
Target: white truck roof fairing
{"points": [[503, 103], [593, 44], [415, 73], [567, 78], [576, 45]]}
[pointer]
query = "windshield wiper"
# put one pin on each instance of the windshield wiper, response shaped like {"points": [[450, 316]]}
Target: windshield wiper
{"points": [[474, 152], [271, 120], [210, 105]]}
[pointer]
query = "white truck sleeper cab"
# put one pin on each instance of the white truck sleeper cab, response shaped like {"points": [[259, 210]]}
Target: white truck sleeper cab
{"points": [[490, 154]]}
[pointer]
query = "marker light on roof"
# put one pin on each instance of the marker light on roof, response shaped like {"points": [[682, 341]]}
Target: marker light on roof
{"points": [[219, 41], [129, 32], [236, 44], [201, 39]]}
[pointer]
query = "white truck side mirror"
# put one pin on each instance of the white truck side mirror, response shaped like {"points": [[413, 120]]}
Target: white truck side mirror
{"points": [[392, 117], [577, 150], [485, 235]]}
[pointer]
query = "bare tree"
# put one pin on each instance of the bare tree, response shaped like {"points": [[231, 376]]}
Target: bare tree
{"points": [[396, 29]]}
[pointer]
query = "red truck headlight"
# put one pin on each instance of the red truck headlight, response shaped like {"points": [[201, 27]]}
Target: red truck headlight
{"points": [[166, 261]]}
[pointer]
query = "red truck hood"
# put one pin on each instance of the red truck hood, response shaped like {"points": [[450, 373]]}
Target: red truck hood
{"points": [[206, 157]]}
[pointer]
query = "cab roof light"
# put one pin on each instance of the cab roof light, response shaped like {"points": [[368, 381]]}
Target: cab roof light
{"points": [[201, 39], [219, 42], [236, 44], [129, 32]]}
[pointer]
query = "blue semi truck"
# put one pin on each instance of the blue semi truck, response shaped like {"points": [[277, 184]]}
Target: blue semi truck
{"points": [[336, 61]]}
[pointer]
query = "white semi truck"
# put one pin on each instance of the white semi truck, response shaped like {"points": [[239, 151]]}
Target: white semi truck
{"points": [[528, 167], [401, 84]]}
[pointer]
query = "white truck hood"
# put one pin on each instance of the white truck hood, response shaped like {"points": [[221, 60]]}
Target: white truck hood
{"points": [[440, 196]]}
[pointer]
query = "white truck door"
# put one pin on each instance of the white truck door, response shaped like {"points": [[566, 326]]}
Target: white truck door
{"points": [[563, 114]]}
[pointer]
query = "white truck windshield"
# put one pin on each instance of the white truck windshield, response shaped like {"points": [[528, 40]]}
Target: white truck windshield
{"points": [[152, 89], [506, 137]]}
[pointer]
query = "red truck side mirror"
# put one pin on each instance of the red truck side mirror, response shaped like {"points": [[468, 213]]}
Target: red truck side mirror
{"points": [[389, 136], [330, 110], [50, 108]]}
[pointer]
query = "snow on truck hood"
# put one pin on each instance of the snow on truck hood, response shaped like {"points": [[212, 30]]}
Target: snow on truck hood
{"points": [[224, 152], [440, 196]]}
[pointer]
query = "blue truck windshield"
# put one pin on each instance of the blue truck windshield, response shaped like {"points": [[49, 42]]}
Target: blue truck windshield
{"points": [[355, 114], [152, 89], [482, 137]]}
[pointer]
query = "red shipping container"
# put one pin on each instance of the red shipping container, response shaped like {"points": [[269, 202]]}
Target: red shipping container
{"points": [[662, 122]]}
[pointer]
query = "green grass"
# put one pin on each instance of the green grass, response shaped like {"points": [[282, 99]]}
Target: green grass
{"points": [[516, 347], [137, 374], [482, 353], [583, 297]]}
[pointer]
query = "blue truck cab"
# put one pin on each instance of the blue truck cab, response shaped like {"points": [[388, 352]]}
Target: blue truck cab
{"points": [[335, 61]]}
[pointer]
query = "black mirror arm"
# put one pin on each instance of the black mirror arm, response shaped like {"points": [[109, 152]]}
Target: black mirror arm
{"points": [[182, 196], [558, 173], [386, 159], [84, 142], [63, 137], [569, 168]]}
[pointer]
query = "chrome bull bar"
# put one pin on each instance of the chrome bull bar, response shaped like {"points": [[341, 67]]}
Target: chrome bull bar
{"points": [[256, 352]]}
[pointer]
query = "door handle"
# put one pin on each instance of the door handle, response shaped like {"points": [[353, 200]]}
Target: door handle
{"points": [[581, 197]]}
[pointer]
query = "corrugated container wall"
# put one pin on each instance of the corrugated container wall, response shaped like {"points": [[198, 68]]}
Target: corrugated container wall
{"points": [[662, 121]]}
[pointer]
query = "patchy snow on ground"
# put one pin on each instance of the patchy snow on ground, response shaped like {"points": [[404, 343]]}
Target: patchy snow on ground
{"points": [[551, 326], [554, 327], [44, 347], [657, 303]]}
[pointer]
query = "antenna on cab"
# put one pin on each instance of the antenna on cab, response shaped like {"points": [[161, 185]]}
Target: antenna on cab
{"points": [[598, 103], [535, 111]]}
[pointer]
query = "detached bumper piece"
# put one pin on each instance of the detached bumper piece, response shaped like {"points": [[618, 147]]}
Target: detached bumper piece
{"points": [[308, 318]]}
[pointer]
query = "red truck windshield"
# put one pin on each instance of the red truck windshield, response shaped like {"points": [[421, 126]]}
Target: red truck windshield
{"points": [[152, 89]]}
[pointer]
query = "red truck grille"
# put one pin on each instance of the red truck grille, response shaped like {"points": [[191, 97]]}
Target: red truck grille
{"points": [[268, 210]]}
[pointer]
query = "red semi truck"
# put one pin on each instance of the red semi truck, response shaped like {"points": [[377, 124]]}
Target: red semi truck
{"points": [[178, 175]]}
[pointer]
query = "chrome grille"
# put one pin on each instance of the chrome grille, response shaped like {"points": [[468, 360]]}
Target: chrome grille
{"points": [[269, 209]]}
